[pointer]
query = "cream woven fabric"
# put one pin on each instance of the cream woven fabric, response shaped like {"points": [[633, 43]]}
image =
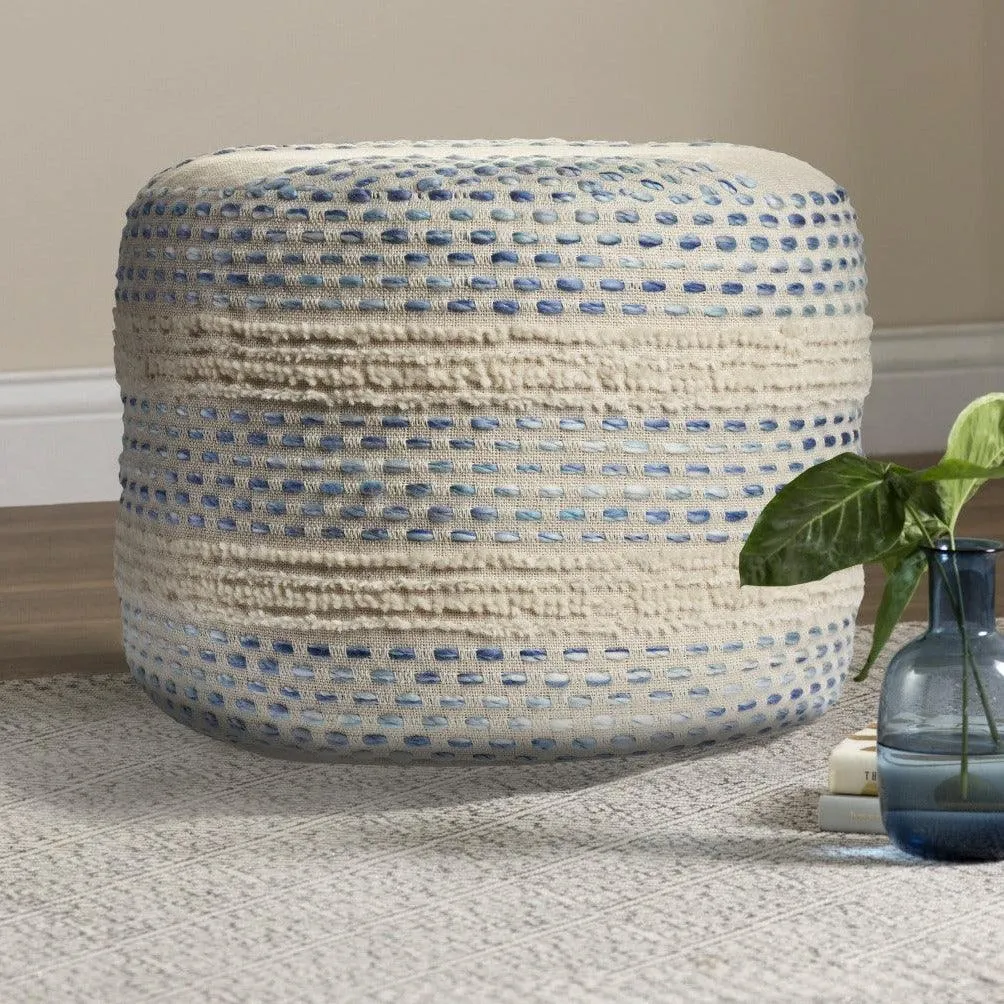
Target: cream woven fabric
{"points": [[447, 450], [139, 865]]}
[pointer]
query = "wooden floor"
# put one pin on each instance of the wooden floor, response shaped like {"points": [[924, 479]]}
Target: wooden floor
{"points": [[59, 612]]}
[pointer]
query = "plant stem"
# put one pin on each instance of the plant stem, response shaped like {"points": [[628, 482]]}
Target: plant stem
{"points": [[967, 654], [967, 657], [967, 651]]}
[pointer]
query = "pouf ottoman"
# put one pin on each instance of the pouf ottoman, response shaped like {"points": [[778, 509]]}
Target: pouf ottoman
{"points": [[446, 451]]}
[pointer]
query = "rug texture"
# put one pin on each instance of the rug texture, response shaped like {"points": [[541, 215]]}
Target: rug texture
{"points": [[143, 862]]}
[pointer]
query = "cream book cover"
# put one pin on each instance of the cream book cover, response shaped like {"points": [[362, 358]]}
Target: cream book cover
{"points": [[854, 763]]}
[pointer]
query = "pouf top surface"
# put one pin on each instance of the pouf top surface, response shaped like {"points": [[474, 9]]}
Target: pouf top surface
{"points": [[724, 167], [514, 230]]}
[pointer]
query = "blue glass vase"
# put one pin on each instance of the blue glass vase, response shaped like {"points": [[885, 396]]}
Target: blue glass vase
{"points": [[941, 716]]}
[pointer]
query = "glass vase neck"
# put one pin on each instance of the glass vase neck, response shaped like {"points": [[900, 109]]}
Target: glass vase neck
{"points": [[962, 576]]}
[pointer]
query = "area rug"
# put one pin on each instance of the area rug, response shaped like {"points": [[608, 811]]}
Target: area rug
{"points": [[142, 862]]}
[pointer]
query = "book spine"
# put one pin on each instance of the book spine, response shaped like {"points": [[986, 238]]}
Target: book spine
{"points": [[853, 772], [850, 814]]}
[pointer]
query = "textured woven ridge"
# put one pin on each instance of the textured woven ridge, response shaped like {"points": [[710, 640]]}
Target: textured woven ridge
{"points": [[583, 367], [630, 589], [446, 450]]}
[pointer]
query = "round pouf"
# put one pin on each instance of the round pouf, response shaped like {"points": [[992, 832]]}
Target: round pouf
{"points": [[446, 451]]}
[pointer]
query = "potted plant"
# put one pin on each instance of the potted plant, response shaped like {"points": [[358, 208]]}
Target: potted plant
{"points": [[941, 706]]}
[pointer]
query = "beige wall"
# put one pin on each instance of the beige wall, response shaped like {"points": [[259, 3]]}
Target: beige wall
{"points": [[897, 99]]}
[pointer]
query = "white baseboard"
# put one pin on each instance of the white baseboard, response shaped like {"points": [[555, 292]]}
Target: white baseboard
{"points": [[60, 436], [60, 430], [923, 377]]}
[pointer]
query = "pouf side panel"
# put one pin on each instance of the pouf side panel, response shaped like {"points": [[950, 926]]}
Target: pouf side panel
{"points": [[456, 697], [447, 450]]}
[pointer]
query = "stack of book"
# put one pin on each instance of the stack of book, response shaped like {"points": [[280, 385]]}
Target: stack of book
{"points": [[851, 804]]}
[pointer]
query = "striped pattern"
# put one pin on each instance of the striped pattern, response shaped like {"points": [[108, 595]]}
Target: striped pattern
{"points": [[447, 451]]}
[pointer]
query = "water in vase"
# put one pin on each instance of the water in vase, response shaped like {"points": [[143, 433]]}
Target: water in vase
{"points": [[924, 807]]}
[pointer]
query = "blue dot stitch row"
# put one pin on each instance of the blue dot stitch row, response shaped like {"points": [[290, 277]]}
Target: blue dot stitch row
{"points": [[486, 236], [407, 444], [329, 478], [521, 284], [233, 645], [325, 649], [335, 742], [570, 473], [286, 708], [256, 211], [289, 490], [506, 308], [431, 677], [413, 262], [209, 455], [766, 289], [355, 726], [440, 237], [384, 534], [606, 423], [439, 514], [314, 670]]}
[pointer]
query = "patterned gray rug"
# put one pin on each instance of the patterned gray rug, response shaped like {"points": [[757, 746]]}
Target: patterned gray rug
{"points": [[141, 862]]}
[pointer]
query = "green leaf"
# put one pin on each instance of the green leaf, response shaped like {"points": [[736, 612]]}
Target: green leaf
{"points": [[922, 497], [977, 437], [900, 585], [915, 533], [840, 513], [891, 559], [958, 470]]}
